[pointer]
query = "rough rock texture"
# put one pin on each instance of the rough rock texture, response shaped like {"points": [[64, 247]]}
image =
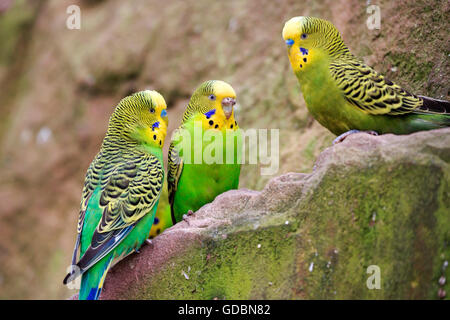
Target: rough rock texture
{"points": [[369, 201]]}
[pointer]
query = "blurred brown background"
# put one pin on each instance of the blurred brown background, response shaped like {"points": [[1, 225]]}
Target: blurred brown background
{"points": [[58, 88]]}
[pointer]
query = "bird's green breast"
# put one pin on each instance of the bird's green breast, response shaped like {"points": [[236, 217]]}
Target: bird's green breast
{"points": [[200, 183], [324, 99]]}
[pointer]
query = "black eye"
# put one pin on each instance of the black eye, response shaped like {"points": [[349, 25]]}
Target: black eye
{"points": [[152, 110], [304, 36], [212, 97]]}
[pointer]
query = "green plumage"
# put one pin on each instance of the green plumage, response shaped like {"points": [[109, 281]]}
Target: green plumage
{"points": [[193, 185], [342, 93], [121, 190]]}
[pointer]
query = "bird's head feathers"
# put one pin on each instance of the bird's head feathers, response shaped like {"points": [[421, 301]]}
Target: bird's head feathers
{"points": [[215, 100], [308, 37], [141, 118]]}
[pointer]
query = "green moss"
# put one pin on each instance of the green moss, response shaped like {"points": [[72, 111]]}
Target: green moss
{"points": [[382, 217], [243, 265]]}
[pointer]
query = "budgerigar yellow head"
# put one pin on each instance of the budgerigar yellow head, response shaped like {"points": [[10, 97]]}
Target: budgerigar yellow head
{"points": [[141, 118], [309, 39], [216, 100]]}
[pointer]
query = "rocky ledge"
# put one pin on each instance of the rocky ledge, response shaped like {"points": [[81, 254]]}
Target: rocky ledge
{"points": [[372, 221]]}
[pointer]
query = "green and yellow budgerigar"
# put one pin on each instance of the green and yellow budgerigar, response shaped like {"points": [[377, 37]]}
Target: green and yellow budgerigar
{"points": [[207, 122], [345, 95], [163, 220], [121, 190]]}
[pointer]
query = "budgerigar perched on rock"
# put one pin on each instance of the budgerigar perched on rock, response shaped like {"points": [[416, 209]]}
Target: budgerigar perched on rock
{"points": [[193, 180], [345, 95], [121, 190]]}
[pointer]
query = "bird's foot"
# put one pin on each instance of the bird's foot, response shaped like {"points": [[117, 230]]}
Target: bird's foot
{"points": [[190, 213], [149, 242], [137, 250], [342, 137]]}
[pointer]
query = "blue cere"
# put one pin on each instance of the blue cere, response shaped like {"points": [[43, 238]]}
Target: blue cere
{"points": [[163, 113], [304, 51], [155, 125], [289, 42], [210, 113]]}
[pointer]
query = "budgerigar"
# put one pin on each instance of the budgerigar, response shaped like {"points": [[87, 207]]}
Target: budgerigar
{"points": [[163, 220], [345, 95], [121, 190], [192, 183]]}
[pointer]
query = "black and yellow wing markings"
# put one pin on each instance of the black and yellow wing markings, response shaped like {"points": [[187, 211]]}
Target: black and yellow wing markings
{"points": [[175, 168], [91, 180], [128, 194], [372, 93]]}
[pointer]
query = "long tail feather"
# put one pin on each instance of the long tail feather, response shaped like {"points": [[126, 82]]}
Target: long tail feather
{"points": [[435, 106], [92, 280]]}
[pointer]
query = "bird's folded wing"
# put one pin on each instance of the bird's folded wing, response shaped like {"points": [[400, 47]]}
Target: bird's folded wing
{"points": [[90, 183], [371, 92], [130, 192], [92, 178], [175, 167]]}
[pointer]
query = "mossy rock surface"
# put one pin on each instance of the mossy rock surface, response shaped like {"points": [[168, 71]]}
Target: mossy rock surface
{"points": [[380, 201]]}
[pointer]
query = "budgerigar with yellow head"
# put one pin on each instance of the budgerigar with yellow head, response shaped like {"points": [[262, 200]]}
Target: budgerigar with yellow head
{"points": [[121, 190], [194, 183], [345, 95]]}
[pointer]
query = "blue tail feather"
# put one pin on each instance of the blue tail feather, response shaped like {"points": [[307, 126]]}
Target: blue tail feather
{"points": [[92, 280]]}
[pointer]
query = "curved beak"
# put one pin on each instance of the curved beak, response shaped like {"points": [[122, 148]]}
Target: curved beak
{"points": [[227, 106]]}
